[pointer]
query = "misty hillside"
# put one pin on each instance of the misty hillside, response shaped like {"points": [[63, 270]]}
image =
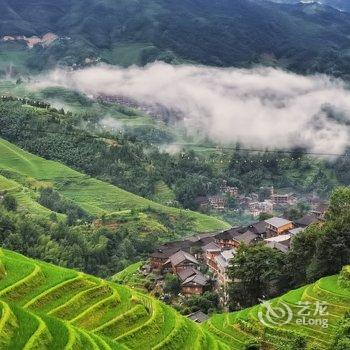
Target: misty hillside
{"points": [[343, 5], [222, 33]]}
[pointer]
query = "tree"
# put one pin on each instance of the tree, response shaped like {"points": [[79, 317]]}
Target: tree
{"points": [[339, 204], [264, 193], [191, 187], [232, 202], [332, 251], [342, 337], [324, 249], [256, 273], [10, 202], [296, 212], [264, 216], [172, 284], [333, 245], [300, 255], [207, 302]]}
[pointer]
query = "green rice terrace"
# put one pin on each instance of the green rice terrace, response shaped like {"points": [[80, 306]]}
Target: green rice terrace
{"points": [[48, 307], [305, 318], [22, 172]]}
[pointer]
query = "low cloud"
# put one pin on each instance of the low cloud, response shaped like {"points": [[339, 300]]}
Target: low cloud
{"points": [[262, 107], [111, 124]]}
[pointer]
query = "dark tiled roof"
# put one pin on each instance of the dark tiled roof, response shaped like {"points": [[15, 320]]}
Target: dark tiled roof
{"points": [[180, 257], [198, 316], [168, 249], [197, 278], [307, 220], [179, 245], [206, 240], [184, 274], [211, 246], [229, 234], [246, 237], [259, 227], [161, 255], [197, 240]]}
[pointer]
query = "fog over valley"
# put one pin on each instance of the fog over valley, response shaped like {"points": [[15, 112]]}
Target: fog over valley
{"points": [[261, 107]]}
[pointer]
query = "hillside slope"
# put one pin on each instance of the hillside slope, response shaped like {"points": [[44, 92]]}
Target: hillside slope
{"points": [[25, 197], [47, 307], [95, 196], [223, 33], [342, 5], [297, 320]]}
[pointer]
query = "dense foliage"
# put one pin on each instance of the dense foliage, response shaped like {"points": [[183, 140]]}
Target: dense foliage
{"points": [[137, 165], [95, 250], [342, 338], [224, 33], [320, 250], [257, 273], [208, 303], [51, 199]]}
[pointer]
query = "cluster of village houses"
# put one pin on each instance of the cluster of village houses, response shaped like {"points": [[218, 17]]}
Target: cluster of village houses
{"points": [[251, 203], [188, 259]]}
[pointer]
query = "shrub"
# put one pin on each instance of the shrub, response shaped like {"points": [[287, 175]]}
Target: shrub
{"points": [[10, 203], [344, 278]]}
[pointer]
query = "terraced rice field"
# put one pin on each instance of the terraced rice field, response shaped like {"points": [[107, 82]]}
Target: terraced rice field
{"points": [[308, 319], [96, 197], [25, 197], [131, 277], [47, 307], [163, 194]]}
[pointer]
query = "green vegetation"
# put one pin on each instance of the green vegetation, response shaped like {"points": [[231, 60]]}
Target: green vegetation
{"points": [[127, 54], [258, 273], [59, 230], [163, 194], [132, 160], [47, 307], [322, 249], [229, 33], [245, 327], [54, 201], [344, 279], [22, 197], [131, 277], [94, 196]]}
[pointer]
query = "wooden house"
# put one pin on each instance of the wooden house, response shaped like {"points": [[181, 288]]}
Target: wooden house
{"points": [[193, 282], [277, 226], [164, 252], [180, 261]]}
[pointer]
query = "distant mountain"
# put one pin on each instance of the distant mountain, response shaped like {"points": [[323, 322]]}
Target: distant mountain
{"points": [[301, 37], [343, 5]]}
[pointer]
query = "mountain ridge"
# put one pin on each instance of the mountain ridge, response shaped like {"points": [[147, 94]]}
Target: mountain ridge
{"points": [[221, 33]]}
